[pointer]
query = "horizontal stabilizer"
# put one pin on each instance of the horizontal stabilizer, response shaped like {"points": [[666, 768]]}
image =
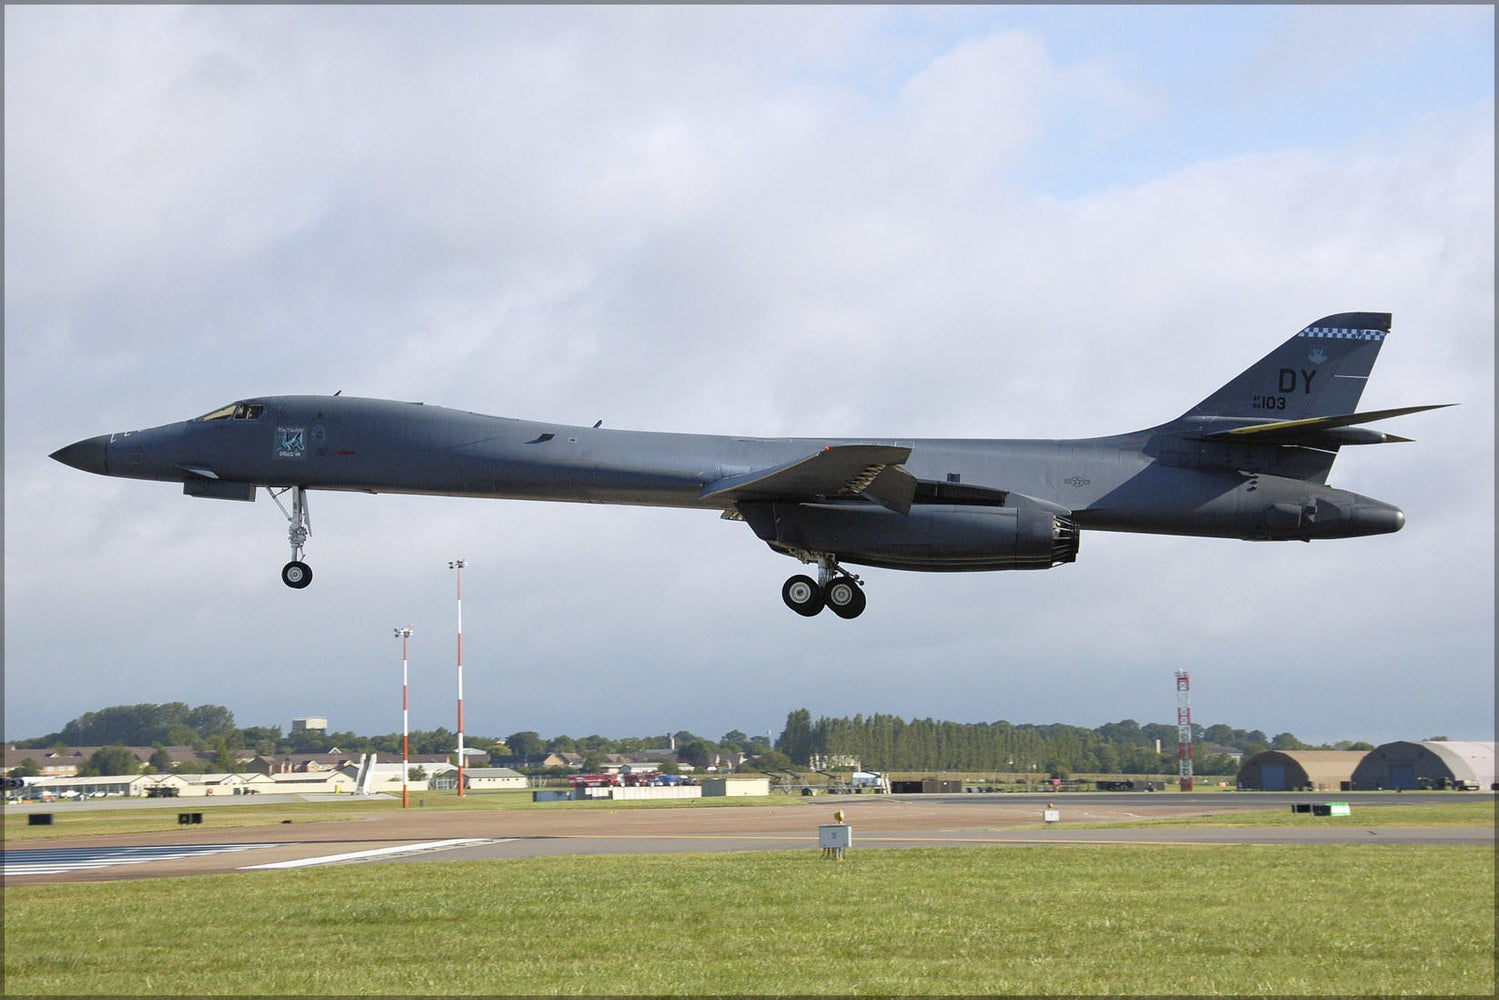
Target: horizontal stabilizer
{"points": [[869, 471], [1327, 431]]}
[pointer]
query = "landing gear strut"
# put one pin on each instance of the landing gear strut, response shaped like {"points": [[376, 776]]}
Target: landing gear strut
{"points": [[295, 574], [834, 589]]}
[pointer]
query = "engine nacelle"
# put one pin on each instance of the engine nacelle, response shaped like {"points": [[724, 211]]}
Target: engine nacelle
{"points": [[934, 537]]}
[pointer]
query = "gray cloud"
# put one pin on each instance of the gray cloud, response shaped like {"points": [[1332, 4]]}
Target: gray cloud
{"points": [[735, 221]]}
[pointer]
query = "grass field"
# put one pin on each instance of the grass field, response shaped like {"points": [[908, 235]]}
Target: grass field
{"points": [[1196, 920], [1476, 813]]}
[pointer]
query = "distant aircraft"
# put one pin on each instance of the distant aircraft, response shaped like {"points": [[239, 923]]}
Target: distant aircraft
{"points": [[1250, 461]]}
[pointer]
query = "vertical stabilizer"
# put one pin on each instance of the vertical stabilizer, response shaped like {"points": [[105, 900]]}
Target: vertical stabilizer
{"points": [[1320, 372]]}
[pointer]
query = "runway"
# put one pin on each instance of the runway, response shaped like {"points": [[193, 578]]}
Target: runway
{"points": [[879, 822]]}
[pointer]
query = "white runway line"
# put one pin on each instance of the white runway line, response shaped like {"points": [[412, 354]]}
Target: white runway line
{"points": [[61, 860], [330, 859]]}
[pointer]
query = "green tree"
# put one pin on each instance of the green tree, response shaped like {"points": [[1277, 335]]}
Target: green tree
{"points": [[769, 760], [796, 738], [28, 768], [112, 760], [439, 740], [213, 720], [224, 761], [696, 751], [1221, 735], [526, 744], [161, 761], [261, 739]]}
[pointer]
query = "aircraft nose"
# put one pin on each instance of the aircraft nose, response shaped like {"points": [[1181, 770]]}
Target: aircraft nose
{"points": [[88, 455]]}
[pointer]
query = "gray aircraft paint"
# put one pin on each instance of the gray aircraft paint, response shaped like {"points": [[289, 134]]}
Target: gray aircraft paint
{"points": [[1249, 461]]}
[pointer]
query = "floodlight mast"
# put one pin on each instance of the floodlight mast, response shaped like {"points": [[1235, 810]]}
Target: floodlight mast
{"points": [[404, 634], [1184, 729], [459, 565]]}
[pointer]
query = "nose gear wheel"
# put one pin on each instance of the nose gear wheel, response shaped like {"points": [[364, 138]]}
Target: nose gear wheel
{"points": [[295, 574]]}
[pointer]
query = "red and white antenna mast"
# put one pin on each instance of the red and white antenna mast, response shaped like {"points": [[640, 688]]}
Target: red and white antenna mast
{"points": [[404, 634], [1184, 729], [460, 565]]}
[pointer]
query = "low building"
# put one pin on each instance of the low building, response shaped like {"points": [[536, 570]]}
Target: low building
{"points": [[1300, 770], [535, 760], [734, 787], [309, 783], [483, 779], [442, 777], [61, 762], [66, 762], [243, 783], [1427, 764], [99, 786], [385, 776], [295, 763]]}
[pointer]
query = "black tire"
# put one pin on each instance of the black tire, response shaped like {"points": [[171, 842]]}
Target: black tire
{"points": [[844, 597], [296, 575], [802, 595]]}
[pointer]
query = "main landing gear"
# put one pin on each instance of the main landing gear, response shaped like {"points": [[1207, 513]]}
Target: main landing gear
{"points": [[833, 589], [295, 574]]}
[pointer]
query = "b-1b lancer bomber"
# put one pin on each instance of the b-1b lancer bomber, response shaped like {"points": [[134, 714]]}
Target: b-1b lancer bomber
{"points": [[1249, 461]]}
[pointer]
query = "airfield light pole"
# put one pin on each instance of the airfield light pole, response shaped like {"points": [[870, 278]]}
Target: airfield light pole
{"points": [[1184, 729], [405, 634], [459, 564]]}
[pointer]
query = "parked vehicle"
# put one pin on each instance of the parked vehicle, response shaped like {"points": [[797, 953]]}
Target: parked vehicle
{"points": [[594, 781]]}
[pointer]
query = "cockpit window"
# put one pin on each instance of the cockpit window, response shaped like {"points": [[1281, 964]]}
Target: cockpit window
{"points": [[236, 411]]}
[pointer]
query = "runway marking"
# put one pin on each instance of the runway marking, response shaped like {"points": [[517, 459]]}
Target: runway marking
{"points": [[332, 859], [678, 836], [60, 860]]}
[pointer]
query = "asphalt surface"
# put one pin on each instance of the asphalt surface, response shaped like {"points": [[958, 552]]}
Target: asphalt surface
{"points": [[878, 822]]}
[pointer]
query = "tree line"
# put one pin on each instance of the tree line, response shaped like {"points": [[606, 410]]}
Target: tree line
{"points": [[890, 743], [879, 742], [211, 731]]}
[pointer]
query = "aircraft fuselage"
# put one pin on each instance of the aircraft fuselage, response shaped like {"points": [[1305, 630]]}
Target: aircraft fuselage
{"points": [[1250, 461], [381, 446]]}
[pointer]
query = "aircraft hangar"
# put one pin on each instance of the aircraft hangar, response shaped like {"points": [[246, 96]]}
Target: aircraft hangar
{"points": [[1300, 770], [1427, 764]]}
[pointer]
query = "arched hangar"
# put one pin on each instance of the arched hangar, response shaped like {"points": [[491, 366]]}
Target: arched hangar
{"points": [[1300, 770], [1427, 764]]}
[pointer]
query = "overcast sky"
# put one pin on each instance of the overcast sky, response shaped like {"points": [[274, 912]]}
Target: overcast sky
{"points": [[841, 221]]}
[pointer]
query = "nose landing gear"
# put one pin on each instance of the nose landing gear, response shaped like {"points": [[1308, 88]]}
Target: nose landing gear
{"points": [[295, 574], [835, 589]]}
